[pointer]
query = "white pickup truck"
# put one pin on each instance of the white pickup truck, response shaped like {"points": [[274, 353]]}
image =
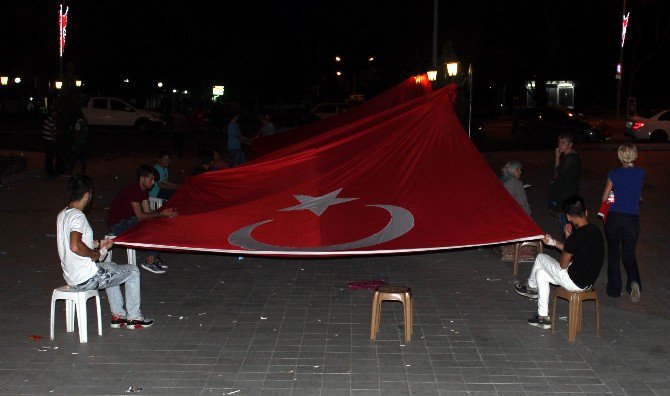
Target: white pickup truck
{"points": [[108, 111]]}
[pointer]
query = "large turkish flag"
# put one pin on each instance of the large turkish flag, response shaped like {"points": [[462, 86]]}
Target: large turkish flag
{"points": [[403, 180]]}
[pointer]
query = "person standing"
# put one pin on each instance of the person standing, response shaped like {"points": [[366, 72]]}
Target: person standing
{"points": [[79, 147], [622, 225], [267, 126], [235, 153], [81, 259], [131, 206], [567, 168], [53, 160]]}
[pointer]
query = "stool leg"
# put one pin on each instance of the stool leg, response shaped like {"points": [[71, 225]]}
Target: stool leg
{"points": [[81, 318], [132, 258], [572, 319], [408, 318], [597, 318], [553, 317], [374, 322], [53, 316], [411, 313], [97, 307], [515, 269], [579, 314], [69, 315]]}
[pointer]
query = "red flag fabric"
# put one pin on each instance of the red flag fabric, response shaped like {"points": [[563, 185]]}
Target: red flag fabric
{"points": [[409, 89], [407, 179]]}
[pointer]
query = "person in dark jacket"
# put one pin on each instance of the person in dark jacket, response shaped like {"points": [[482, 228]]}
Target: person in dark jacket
{"points": [[567, 168]]}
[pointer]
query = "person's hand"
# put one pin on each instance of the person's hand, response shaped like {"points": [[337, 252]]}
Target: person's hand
{"points": [[170, 213], [568, 230], [548, 240], [106, 244]]}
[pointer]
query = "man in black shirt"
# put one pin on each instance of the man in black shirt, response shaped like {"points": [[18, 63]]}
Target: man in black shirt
{"points": [[579, 265]]}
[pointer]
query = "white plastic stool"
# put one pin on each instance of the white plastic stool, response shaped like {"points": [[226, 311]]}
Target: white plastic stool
{"points": [[78, 299]]}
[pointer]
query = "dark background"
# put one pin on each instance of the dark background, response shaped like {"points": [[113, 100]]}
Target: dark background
{"points": [[284, 50]]}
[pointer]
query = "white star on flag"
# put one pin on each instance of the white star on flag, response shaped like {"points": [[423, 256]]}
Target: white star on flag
{"points": [[318, 205]]}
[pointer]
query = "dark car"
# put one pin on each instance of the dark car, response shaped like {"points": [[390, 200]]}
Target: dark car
{"points": [[542, 126], [287, 120]]}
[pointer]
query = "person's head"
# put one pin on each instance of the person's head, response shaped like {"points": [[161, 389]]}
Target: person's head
{"points": [[80, 189], [235, 117], [268, 117], [575, 209], [627, 154], [217, 154], [513, 168], [147, 175], [565, 141], [164, 158]]}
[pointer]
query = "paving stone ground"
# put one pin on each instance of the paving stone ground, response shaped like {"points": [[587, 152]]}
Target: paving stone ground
{"points": [[261, 326]]}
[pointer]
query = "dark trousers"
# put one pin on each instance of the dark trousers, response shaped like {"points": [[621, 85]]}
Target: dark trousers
{"points": [[53, 158], [78, 154], [622, 231]]}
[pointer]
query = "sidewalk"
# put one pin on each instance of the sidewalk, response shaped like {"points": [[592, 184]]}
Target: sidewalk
{"points": [[292, 327]]}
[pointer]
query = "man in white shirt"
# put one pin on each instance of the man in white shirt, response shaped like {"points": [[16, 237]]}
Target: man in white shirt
{"points": [[79, 255]]}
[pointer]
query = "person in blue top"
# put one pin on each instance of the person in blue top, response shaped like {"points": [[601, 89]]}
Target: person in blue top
{"points": [[163, 188], [622, 226], [235, 137]]}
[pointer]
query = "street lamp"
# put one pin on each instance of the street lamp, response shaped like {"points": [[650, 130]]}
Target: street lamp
{"points": [[77, 83], [4, 80], [17, 80], [126, 80], [370, 59], [432, 75], [160, 84], [452, 69], [59, 84], [338, 73], [337, 59], [174, 90]]}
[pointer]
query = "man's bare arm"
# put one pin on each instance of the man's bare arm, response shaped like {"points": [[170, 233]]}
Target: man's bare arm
{"points": [[78, 247]]}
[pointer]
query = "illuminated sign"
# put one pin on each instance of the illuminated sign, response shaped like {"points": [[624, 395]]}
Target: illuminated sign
{"points": [[217, 90], [62, 22], [624, 27]]}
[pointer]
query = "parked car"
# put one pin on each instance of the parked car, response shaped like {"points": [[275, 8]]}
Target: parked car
{"points": [[653, 125], [108, 111], [325, 110], [544, 125], [287, 120]]}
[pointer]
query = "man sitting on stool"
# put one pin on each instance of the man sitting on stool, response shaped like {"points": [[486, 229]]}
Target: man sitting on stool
{"points": [[78, 255], [579, 265]]}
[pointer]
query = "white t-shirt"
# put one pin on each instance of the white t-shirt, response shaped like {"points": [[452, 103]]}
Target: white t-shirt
{"points": [[76, 269]]}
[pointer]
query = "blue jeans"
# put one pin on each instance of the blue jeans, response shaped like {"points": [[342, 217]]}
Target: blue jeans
{"points": [[622, 231], [109, 277], [236, 157], [125, 224]]}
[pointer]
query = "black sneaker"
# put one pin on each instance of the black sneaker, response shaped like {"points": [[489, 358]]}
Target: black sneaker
{"points": [[525, 291], [139, 323], [159, 262], [118, 322], [537, 321], [153, 267]]}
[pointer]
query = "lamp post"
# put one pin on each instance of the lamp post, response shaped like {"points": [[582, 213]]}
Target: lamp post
{"points": [[624, 26], [452, 69], [4, 80]]}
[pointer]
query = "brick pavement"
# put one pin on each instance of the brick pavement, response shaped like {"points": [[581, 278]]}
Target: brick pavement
{"points": [[292, 327]]}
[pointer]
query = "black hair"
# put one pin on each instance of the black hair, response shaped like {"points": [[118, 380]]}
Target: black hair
{"points": [[77, 186], [146, 170], [206, 159], [567, 136], [163, 153], [574, 206]]}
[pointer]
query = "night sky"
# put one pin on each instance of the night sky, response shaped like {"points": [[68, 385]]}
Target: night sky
{"points": [[281, 49]]}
